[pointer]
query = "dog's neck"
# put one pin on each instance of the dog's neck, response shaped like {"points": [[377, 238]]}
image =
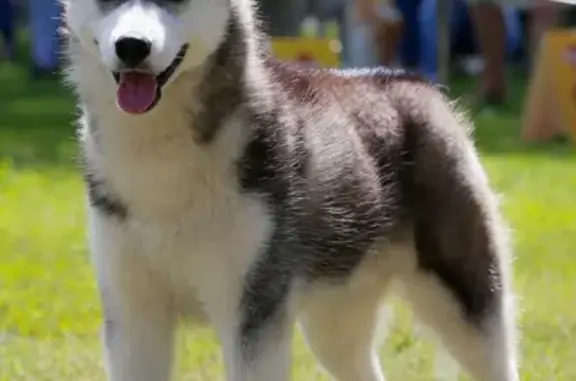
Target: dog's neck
{"points": [[228, 78]]}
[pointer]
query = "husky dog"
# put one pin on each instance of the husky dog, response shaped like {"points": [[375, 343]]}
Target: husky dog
{"points": [[230, 188]]}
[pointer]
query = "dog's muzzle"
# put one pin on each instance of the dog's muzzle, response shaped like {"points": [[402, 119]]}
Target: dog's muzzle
{"points": [[140, 91]]}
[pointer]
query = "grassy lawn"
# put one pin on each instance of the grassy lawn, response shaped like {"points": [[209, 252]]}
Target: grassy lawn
{"points": [[49, 313]]}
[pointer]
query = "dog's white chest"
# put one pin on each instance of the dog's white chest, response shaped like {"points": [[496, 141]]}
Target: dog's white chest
{"points": [[206, 254], [200, 256], [189, 226]]}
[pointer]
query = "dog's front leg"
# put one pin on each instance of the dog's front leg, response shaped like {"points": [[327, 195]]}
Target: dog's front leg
{"points": [[259, 355], [257, 336], [137, 338], [138, 322], [138, 348], [138, 318]]}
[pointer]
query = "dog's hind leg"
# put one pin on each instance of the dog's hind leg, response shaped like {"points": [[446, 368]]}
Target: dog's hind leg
{"points": [[261, 355], [255, 330], [459, 282], [341, 326], [483, 346]]}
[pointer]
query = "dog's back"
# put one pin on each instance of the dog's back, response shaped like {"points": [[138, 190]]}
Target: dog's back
{"points": [[383, 182]]}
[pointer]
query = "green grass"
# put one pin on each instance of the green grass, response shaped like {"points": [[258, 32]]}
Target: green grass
{"points": [[49, 312]]}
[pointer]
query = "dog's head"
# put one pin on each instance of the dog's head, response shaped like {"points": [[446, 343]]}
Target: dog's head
{"points": [[144, 45]]}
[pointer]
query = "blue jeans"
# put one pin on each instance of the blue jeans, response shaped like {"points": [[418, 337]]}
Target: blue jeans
{"points": [[410, 41], [44, 24], [459, 17]]}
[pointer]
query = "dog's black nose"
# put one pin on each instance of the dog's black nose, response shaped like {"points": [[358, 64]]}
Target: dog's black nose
{"points": [[132, 51]]}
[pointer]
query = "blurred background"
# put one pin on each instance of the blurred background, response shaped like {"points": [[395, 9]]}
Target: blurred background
{"points": [[512, 64]]}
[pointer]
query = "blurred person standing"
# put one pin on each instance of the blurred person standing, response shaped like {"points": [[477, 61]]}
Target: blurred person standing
{"points": [[375, 27], [355, 34], [460, 27], [395, 24], [44, 24], [490, 28], [7, 47], [409, 46], [284, 18], [386, 23]]}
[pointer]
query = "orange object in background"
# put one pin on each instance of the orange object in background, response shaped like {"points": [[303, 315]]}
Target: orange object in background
{"points": [[550, 108], [323, 52]]}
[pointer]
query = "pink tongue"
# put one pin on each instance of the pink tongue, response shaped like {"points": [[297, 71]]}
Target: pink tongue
{"points": [[136, 92]]}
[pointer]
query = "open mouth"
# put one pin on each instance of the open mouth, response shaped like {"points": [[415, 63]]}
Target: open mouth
{"points": [[139, 91]]}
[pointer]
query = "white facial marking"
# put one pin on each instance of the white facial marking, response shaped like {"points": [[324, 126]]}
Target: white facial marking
{"points": [[201, 24]]}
